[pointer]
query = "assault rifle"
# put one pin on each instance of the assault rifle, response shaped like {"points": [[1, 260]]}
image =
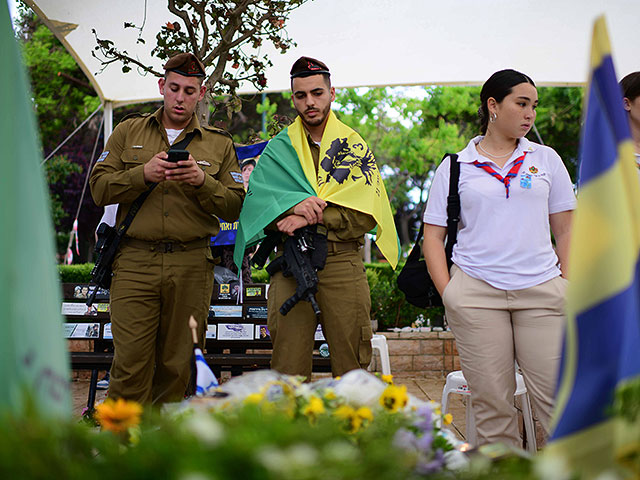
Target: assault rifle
{"points": [[106, 248], [304, 254]]}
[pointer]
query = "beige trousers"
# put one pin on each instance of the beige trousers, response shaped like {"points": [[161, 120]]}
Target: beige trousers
{"points": [[493, 328]]}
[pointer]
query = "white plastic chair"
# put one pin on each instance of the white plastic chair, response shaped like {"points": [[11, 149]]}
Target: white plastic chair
{"points": [[379, 342], [456, 383]]}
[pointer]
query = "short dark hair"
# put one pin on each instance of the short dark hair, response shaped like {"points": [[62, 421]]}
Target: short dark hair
{"points": [[326, 76], [498, 86], [631, 86], [167, 72]]}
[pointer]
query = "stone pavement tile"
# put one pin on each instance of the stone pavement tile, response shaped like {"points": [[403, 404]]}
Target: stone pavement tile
{"points": [[79, 394]]}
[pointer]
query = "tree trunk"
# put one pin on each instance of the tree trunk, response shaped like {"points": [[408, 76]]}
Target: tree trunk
{"points": [[203, 112]]}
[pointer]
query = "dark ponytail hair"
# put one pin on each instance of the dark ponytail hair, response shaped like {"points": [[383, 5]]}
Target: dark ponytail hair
{"points": [[631, 86], [498, 86]]}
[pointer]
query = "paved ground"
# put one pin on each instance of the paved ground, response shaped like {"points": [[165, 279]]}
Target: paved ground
{"points": [[422, 387]]}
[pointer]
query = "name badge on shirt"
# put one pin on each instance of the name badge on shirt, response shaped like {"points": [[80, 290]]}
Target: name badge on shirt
{"points": [[525, 181]]}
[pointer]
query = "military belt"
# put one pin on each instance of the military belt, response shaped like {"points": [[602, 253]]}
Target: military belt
{"points": [[335, 247], [166, 246]]}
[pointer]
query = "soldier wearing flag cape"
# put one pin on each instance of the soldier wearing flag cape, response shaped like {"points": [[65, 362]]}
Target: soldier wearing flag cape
{"points": [[319, 171]]}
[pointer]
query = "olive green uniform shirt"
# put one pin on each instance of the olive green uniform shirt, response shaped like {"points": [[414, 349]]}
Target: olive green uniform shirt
{"points": [[174, 211]]}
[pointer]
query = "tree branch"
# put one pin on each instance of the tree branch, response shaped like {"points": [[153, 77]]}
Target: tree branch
{"points": [[187, 22]]}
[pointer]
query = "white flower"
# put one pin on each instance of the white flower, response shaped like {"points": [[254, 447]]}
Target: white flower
{"points": [[551, 467], [204, 428], [195, 476], [302, 455], [340, 451], [299, 457], [360, 388], [272, 458]]}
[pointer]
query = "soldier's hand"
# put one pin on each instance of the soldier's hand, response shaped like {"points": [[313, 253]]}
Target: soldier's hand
{"points": [[311, 209], [291, 223], [187, 171], [154, 170]]}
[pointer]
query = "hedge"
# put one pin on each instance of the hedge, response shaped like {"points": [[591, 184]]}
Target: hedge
{"points": [[388, 305]]}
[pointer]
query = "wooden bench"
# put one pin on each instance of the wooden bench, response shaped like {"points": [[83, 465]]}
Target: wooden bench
{"points": [[237, 335]]}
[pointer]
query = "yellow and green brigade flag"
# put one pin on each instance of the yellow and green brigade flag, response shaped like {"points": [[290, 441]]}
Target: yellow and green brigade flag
{"points": [[602, 339], [347, 176], [34, 359]]}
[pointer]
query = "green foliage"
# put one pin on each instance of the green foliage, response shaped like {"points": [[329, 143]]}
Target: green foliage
{"points": [[57, 170], [77, 273], [559, 121], [249, 442], [62, 96], [259, 276], [388, 305], [627, 401]]}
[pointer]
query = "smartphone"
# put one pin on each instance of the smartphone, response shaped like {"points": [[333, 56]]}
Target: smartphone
{"points": [[177, 155]]}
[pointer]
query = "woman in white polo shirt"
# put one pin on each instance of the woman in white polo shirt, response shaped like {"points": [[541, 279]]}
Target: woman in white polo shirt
{"points": [[631, 91], [504, 296]]}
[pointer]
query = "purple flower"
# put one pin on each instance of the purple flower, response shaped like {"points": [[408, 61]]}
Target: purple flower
{"points": [[433, 466], [424, 442], [425, 415], [405, 439]]}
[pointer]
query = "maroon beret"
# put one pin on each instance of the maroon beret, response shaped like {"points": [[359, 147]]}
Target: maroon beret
{"points": [[307, 66], [186, 64]]}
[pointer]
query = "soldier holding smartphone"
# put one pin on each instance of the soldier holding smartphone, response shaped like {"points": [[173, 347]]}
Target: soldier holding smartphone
{"points": [[163, 272]]}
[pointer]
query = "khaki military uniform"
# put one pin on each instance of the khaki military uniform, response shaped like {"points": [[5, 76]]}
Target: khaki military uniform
{"points": [[343, 296], [163, 272]]}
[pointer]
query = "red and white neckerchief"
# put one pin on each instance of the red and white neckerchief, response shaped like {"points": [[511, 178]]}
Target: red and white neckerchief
{"points": [[513, 171]]}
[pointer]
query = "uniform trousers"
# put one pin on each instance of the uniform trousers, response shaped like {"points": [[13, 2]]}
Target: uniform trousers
{"points": [[153, 294], [494, 327], [344, 299]]}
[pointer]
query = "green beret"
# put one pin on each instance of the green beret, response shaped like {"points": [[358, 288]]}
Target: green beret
{"points": [[186, 64]]}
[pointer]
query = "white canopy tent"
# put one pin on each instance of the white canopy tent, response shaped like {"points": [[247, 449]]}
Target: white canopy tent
{"points": [[373, 42]]}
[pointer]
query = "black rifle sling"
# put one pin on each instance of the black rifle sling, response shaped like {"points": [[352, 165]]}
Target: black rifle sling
{"points": [[453, 206]]}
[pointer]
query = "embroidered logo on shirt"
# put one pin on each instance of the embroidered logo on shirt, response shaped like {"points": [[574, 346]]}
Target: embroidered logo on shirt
{"points": [[237, 176], [533, 169], [137, 146], [203, 162], [103, 156]]}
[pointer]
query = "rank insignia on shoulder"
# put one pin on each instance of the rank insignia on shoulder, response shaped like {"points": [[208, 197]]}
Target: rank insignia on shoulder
{"points": [[237, 176], [103, 156], [204, 163]]}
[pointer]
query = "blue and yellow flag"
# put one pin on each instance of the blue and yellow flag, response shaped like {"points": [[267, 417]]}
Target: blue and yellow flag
{"points": [[347, 176], [602, 339], [33, 352]]}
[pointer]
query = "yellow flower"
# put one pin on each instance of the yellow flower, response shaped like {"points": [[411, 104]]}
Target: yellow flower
{"points": [[119, 415], [394, 397], [364, 413], [314, 408], [447, 419], [354, 418], [387, 379], [253, 398], [330, 395], [344, 412]]}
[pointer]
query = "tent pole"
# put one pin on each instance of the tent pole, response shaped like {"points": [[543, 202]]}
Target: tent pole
{"points": [[108, 120]]}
